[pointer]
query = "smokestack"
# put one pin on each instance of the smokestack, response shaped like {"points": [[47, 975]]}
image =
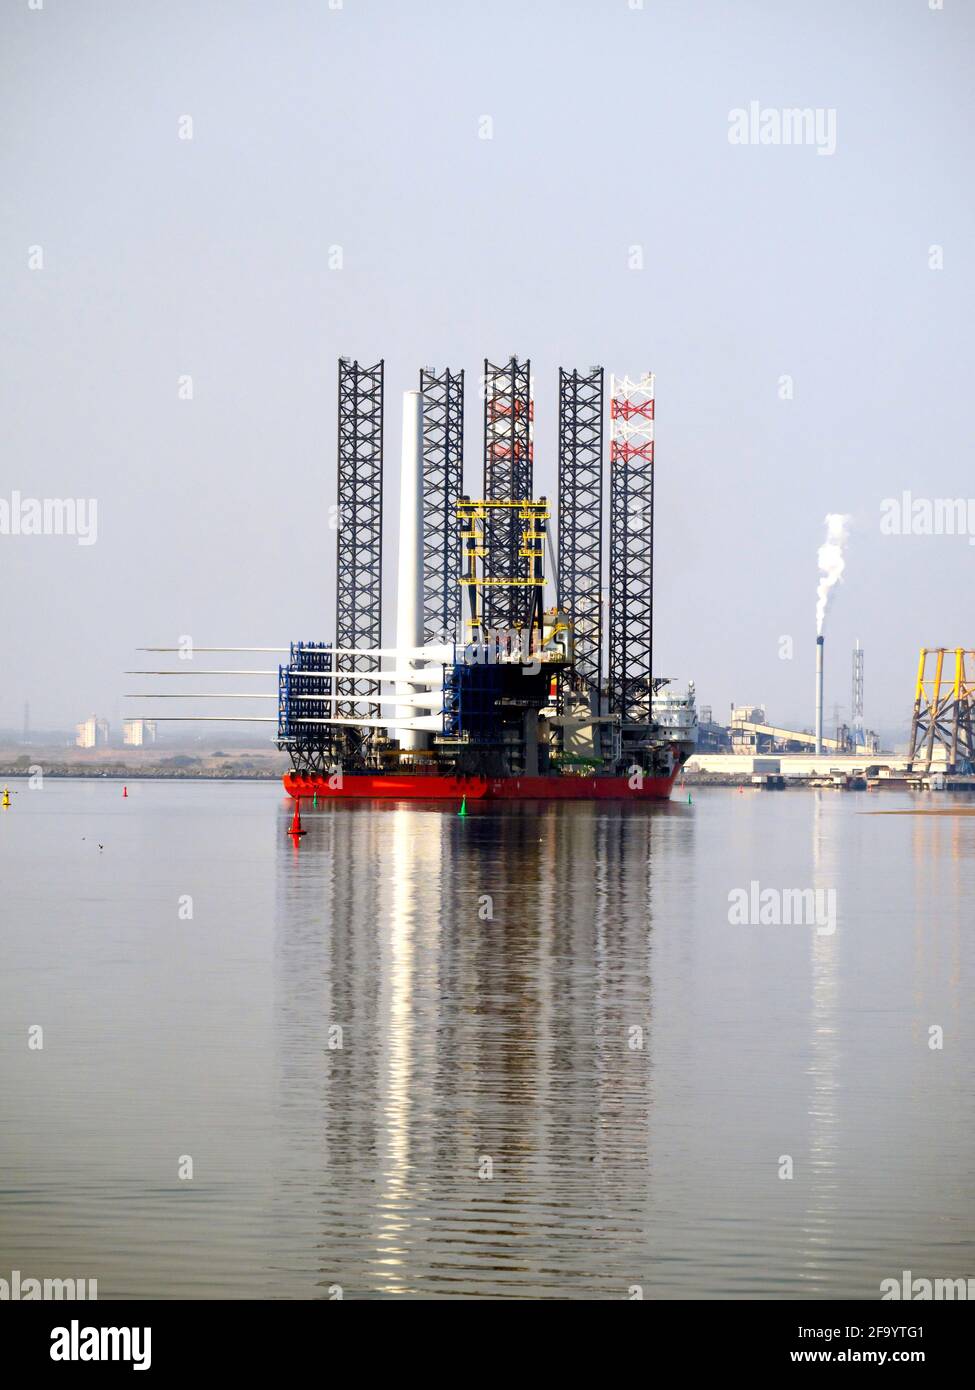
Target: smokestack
{"points": [[409, 599], [819, 695]]}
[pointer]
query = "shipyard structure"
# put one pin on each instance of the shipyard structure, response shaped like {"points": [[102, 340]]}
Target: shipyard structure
{"points": [[503, 681]]}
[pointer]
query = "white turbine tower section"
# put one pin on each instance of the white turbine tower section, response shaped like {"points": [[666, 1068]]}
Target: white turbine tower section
{"points": [[409, 598]]}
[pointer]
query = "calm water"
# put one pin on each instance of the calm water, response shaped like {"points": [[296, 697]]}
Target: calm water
{"points": [[466, 1037]]}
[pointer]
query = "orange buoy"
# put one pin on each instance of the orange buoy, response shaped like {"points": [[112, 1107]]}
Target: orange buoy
{"points": [[295, 827]]}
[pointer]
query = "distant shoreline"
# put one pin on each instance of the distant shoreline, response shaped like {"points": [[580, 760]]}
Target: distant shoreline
{"points": [[128, 774]]}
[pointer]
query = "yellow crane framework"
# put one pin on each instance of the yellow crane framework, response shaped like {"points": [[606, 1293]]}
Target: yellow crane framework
{"points": [[944, 704], [474, 518]]}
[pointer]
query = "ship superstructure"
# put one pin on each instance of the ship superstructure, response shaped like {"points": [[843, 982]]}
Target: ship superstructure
{"points": [[517, 670]]}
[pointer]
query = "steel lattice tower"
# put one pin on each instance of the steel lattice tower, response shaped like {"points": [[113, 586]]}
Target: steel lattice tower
{"points": [[856, 705], [359, 576], [581, 516], [443, 484], [508, 456], [631, 549]]}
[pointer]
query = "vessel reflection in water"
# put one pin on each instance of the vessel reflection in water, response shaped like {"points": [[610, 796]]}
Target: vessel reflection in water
{"points": [[566, 1072], [466, 1013], [522, 1052]]}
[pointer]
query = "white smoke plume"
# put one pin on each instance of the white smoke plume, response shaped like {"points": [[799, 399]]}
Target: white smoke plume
{"points": [[831, 563]]}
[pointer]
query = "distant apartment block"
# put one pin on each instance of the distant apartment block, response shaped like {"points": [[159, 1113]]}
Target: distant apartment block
{"points": [[136, 732], [92, 732], [85, 733]]}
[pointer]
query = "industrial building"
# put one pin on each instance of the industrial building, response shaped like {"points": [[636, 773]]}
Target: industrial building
{"points": [[750, 732]]}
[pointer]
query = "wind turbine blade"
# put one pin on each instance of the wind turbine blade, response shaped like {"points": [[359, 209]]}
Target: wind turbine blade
{"points": [[273, 672], [285, 650], [206, 718], [198, 695]]}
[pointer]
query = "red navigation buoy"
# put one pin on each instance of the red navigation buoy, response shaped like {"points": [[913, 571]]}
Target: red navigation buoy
{"points": [[295, 827], [125, 791]]}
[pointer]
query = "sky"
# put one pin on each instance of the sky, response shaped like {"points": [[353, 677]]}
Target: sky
{"points": [[610, 219]]}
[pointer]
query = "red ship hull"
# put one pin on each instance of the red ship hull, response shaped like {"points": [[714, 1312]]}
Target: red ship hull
{"points": [[433, 787]]}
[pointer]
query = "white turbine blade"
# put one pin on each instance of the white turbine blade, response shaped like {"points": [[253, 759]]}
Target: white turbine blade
{"points": [[442, 652], [198, 695], [433, 675], [436, 652], [286, 650], [374, 677], [273, 672], [434, 700], [432, 723]]}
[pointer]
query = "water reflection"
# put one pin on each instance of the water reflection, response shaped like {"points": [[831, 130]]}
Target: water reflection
{"points": [[562, 1072], [819, 1227], [343, 1035], [492, 978]]}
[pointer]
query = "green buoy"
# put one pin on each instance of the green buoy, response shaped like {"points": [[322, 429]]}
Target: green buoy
{"points": [[463, 806], [314, 800], [689, 802]]}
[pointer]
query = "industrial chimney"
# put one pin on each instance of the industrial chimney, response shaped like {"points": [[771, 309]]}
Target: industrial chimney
{"points": [[819, 695]]}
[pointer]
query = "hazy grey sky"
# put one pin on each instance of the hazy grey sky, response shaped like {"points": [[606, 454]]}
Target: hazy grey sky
{"points": [[359, 127]]}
